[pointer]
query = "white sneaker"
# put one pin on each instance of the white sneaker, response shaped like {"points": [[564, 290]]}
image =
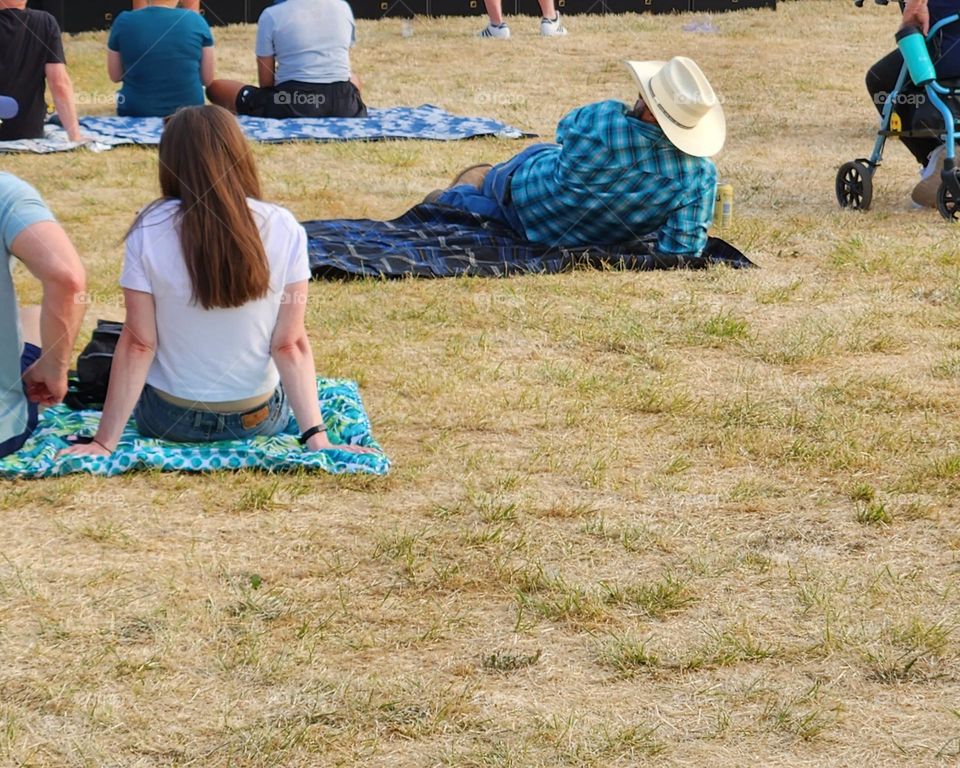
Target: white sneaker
{"points": [[552, 27], [925, 193], [501, 32]]}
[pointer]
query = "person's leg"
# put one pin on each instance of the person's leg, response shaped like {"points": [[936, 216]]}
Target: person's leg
{"points": [[496, 27], [472, 175], [547, 9], [881, 80], [882, 77], [224, 93], [495, 11], [467, 197], [492, 199], [550, 25]]}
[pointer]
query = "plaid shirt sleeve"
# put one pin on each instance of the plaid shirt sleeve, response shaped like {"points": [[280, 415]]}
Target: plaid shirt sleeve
{"points": [[567, 124], [601, 119], [685, 230]]}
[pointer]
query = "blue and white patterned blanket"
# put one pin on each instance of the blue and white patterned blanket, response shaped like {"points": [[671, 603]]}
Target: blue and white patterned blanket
{"points": [[340, 404], [424, 122]]}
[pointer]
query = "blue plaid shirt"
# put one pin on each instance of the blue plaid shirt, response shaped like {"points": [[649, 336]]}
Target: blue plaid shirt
{"points": [[612, 180]]}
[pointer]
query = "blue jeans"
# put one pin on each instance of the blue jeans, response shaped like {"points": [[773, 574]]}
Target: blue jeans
{"points": [[493, 200], [155, 417], [31, 354]]}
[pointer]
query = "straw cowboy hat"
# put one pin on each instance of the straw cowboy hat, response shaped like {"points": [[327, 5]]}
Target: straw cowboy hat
{"points": [[685, 105]]}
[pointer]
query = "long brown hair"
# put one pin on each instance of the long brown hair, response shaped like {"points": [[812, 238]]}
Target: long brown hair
{"points": [[206, 163]]}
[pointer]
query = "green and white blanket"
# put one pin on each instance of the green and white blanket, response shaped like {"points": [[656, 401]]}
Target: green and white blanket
{"points": [[340, 404]]}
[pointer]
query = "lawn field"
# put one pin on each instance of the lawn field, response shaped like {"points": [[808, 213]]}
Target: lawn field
{"points": [[678, 519]]}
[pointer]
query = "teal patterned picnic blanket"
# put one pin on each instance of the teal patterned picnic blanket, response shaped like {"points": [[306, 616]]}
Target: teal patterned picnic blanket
{"points": [[340, 404]]}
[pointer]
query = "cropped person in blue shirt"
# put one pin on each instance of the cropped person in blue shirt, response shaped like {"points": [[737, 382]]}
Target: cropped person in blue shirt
{"points": [[164, 57], [882, 77], [616, 174]]}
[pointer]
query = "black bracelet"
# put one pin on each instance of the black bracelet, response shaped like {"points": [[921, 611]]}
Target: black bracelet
{"points": [[311, 432]]}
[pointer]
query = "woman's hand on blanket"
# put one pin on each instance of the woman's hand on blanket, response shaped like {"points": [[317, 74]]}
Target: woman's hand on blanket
{"points": [[320, 442], [81, 138], [84, 445]]}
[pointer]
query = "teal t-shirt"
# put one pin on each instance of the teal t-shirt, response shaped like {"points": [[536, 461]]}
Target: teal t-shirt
{"points": [[20, 207], [161, 49]]}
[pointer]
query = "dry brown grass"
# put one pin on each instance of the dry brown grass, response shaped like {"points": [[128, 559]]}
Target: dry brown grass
{"points": [[678, 519]]}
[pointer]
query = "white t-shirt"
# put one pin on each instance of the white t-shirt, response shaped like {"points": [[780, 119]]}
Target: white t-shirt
{"points": [[212, 355], [310, 38]]}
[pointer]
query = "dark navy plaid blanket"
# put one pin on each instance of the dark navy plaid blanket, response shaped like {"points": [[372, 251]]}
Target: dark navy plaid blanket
{"points": [[438, 241]]}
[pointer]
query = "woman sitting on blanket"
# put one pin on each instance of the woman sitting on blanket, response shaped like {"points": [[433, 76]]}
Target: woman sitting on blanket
{"points": [[215, 284]]}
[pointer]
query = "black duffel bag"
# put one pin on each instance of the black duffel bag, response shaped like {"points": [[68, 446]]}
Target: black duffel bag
{"points": [[88, 384]]}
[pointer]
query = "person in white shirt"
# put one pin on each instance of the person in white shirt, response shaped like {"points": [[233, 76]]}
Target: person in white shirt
{"points": [[303, 65], [214, 345]]}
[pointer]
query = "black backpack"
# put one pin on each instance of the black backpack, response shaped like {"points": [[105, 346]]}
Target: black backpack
{"points": [[88, 384]]}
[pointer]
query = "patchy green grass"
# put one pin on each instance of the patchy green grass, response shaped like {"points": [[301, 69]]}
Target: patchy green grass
{"points": [[634, 519]]}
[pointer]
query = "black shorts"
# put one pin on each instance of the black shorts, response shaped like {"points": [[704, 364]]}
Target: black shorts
{"points": [[294, 99]]}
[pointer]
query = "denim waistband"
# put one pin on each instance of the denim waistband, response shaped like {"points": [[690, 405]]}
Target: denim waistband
{"points": [[202, 418]]}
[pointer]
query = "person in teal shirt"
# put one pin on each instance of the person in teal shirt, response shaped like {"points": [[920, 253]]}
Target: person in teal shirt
{"points": [[164, 57], [35, 344]]}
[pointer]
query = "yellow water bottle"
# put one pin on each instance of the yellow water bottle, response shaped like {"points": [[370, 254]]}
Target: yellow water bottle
{"points": [[723, 208]]}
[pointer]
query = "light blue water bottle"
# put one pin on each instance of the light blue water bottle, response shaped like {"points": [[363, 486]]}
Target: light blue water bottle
{"points": [[913, 47]]}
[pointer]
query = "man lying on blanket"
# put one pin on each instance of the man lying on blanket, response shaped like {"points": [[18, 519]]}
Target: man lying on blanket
{"points": [[616, 174]]}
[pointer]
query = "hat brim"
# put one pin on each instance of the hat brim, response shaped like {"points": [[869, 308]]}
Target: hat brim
{"points": [[705, 139]]}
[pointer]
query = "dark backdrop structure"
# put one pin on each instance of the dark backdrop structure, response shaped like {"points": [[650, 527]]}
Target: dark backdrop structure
{"points": [[85, 15]]}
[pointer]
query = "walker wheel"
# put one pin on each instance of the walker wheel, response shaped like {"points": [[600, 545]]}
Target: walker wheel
{"points": [[855, 185], [947, 203]]}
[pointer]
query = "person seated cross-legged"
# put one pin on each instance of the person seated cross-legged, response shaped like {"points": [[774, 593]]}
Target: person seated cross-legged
{"points": [[164, 57], [214, 345], [303, 65], [616, 174]]}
